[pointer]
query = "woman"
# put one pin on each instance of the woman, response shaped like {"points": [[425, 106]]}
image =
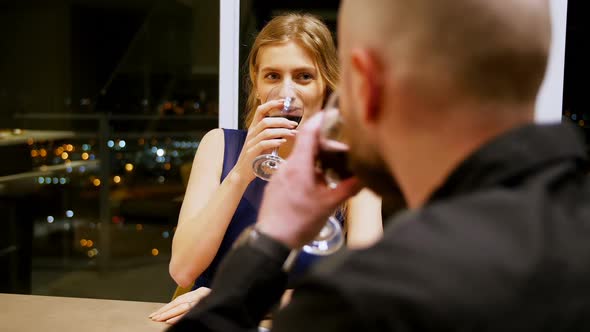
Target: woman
{"points": [[291, 49]]}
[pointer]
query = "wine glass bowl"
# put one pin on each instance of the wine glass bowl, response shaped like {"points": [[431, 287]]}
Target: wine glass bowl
{"points": [[329, 239], [332, 157], [266, 165]]}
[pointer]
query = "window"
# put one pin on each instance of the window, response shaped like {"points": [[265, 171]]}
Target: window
{"points": [[102, 106]]}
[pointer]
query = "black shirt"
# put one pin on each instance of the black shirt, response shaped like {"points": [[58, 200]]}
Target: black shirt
{"points": [[502, 245]]}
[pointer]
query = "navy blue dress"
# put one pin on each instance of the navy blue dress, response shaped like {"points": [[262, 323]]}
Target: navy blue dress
{"points": [[246, 212]]}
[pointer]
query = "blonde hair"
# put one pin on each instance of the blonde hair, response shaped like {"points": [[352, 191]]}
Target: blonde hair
{"points": [[312, 34]]}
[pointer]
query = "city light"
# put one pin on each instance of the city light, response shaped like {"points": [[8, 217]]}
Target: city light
{"points": [[166, 234], [41, 180], [92, 253], [110, 143], [122, 143], [69, 213], [50, 219], [160, 152], [34, 153], [69, 148], [63, 180], [85, 147], [139, 227], [117, 179], [129, 167], [155, 252], [96, 182], [85, 156], [43, 153], [83, 242], [65, 156]]}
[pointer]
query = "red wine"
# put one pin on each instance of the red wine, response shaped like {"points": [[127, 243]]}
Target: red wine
{"points": [[333, 161], [296, 118]]}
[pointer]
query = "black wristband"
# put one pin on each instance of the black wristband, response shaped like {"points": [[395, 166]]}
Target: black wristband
{"points": [[265, 244]]}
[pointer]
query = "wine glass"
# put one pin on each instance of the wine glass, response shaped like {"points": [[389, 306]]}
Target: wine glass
{"points": [[267, 164], [332, 156], [329, 239], [332, 160]]}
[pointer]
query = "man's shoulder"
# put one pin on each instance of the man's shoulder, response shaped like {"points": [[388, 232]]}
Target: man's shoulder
{"points": [[463, 253]]}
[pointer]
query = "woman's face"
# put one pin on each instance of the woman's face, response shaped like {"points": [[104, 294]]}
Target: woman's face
{"points": [[289, 63]]}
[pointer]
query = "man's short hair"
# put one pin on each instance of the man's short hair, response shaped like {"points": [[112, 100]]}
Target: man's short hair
{"points": [[485, 49]]}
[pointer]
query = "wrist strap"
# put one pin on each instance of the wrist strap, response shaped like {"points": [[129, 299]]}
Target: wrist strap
{"points": [[268, 246]]}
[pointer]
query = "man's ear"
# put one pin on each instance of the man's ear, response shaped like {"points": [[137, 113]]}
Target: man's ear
{"points": [[367, 72]]}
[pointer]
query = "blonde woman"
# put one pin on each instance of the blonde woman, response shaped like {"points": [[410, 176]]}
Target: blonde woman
{"points": [[223, 194]]}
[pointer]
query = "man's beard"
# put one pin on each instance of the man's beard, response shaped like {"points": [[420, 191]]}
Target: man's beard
{"points": [[374, 174]]}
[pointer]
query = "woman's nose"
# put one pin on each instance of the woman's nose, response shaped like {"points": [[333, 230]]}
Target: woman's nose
{"points": [[287, 89]]}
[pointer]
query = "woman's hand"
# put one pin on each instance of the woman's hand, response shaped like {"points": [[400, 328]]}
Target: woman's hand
{"points": [[265, 133], [173, 311]]}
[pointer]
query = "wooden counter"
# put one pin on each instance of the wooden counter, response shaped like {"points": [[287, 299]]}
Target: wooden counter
{"points": [[47, 313]]}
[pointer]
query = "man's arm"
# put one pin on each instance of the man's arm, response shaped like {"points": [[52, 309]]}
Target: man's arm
{"points": [[248, 286]]}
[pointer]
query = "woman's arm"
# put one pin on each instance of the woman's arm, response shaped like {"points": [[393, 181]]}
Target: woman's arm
{"points": [[208, 207], [363, 220], [206, 211]]}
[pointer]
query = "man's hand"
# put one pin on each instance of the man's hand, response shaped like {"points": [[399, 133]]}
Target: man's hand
{"points": [[297, 202]]}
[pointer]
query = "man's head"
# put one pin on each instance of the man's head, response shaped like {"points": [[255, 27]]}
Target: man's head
{"points": [[413, 72]]}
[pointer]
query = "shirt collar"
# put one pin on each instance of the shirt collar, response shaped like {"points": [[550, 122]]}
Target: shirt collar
{"points": [[519, 152]]}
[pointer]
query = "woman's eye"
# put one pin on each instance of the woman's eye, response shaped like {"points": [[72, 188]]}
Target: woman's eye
{"points": [[305, 76], [272, 76]]}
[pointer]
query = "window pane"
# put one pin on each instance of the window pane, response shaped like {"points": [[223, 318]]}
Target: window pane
{"points": [[102, 106], [575, 109]]}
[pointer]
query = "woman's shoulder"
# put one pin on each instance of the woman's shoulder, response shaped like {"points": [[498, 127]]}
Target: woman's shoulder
{"points": [[214, 137], [217, 136]]}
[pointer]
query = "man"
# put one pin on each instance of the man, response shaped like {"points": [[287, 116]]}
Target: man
{"points": [[438, 95]]}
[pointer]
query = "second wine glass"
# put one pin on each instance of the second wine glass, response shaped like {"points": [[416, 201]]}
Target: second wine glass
{"points": [[266, 165], [332, 155], [332, 159]]}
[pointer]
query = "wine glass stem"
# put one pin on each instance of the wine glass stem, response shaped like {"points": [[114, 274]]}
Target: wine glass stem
{"points": [[290, 261]]}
